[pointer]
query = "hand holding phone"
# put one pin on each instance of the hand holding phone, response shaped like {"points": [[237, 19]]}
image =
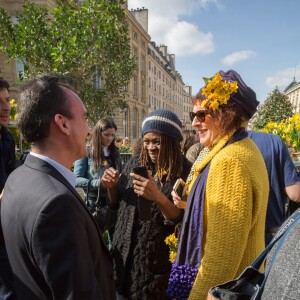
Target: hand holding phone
{"points": [[141, 170], [178, 187], [144, 205]]}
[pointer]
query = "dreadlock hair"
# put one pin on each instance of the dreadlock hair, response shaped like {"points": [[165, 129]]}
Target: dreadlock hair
{"points": [[170, 158], [97, 154]]}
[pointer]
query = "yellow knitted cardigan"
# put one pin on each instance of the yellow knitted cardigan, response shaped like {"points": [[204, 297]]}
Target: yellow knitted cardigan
{"points": [[234, 213]]}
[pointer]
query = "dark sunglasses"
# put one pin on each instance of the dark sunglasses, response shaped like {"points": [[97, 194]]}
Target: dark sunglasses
{"points": [[201, 114]]}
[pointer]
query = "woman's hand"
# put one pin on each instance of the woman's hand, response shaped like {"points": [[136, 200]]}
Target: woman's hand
{"points": [[110, 178], [145, 187], [148, 188], [178, 201]]}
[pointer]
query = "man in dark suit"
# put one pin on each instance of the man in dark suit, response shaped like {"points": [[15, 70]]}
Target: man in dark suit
{"points": [[53, 243]]}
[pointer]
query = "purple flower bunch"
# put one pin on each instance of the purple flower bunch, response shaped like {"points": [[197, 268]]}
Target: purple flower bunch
{"points": [[181, 281]]}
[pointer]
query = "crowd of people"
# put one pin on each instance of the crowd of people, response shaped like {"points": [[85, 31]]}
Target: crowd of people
{"points": [[235, 185]]}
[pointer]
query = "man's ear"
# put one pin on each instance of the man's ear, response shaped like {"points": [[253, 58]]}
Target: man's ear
{"points": [[62, 123]]}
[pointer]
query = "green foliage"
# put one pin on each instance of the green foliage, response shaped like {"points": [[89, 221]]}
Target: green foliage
{"points": [[81, 40], [277, 107]]}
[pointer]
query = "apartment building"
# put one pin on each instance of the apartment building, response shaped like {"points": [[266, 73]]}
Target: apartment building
{"points": [[293, 93], [187, 106], [166, 88], [129, 120]]}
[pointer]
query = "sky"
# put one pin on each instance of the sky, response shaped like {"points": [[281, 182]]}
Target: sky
{"points": [[260, 39]]}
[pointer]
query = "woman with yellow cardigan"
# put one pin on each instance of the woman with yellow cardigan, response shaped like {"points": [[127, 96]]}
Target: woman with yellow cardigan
{"points": [[223, 226]]}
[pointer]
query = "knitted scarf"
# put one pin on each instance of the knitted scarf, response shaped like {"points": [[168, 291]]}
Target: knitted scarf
{"points": [[189, 255]]}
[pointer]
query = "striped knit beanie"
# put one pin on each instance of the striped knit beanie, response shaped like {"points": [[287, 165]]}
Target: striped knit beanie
{"points": [[163, 121]]}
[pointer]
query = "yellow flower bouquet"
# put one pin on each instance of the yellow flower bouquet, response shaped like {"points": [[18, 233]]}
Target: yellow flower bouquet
{"points": [[288, 130], [13, 109], [172, 242]]}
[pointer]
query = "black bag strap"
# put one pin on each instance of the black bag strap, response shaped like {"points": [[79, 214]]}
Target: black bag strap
{"points": [[98, 195], [87, 190], [281, 233]]}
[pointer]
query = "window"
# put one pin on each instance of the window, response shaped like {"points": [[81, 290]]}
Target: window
{"points": [[134, 34], [143, 90], [97, 80], [135, 123], [143, 44], [135, 86], [135, 52], [20, 69], [143, 115], [143, 63], [149, 65]]}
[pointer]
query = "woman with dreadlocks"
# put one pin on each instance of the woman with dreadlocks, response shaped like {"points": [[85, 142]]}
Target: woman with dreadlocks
{"points": [[140, 255]]}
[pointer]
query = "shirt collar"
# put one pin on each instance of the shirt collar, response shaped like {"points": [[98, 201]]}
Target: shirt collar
{"points": [[68, 174]]}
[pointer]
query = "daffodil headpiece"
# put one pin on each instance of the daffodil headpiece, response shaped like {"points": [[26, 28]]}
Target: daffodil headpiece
{"points": [[227, 87], [217, 91]]}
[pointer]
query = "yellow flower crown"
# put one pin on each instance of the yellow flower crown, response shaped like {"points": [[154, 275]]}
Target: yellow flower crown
{"points": [[217, 92]]}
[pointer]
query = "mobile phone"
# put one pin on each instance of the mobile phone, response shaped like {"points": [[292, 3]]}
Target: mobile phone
{"points": [[144, 205], [141, 170], [178, 187]]}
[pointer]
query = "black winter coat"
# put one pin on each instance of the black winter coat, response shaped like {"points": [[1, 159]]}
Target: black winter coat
{"points": [[141, 257]]}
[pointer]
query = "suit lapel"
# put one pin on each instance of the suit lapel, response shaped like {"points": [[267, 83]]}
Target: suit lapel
{"points": [[43, 166]]}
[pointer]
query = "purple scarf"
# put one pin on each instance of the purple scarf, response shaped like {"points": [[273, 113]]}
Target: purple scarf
{"points": [[189, 255]]}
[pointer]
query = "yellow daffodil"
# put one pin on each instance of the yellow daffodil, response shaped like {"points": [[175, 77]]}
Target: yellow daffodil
{"points": [[172, 242], [217, 92], [288, 130], [13, 109]]}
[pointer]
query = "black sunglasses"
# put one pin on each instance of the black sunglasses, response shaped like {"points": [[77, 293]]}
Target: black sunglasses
{"points": [[200, 114]]}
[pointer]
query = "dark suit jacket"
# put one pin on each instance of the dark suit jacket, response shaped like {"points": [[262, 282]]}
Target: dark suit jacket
{"points": [[53, 243]]}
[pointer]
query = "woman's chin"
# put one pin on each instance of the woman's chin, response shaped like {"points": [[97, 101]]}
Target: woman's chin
{"points": [[153, 159]]}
